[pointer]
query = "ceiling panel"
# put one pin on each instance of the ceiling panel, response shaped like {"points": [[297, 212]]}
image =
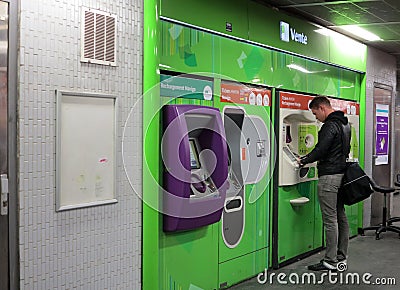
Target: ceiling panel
{"points": [[394, 27], [324, 14], [354, 12], [394, 3], [381, 10]]}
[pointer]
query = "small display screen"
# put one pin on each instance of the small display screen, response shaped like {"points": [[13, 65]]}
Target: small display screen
{"points": [[194, 157]]}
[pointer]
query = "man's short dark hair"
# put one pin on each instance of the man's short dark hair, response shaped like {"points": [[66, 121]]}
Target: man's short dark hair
{"points": [[318, 101]]}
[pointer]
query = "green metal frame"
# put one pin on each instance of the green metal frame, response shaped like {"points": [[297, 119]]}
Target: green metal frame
{"points": [[150, 217]]}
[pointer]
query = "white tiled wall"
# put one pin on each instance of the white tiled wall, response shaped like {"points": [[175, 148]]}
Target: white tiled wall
{"points": [[90, 248], [381, 69]]}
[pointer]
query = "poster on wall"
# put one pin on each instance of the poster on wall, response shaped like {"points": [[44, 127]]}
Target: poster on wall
{"points": [[382, 134]]}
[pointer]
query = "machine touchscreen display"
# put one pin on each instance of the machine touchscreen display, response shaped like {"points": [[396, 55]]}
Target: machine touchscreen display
{"points": [[194, 157]]}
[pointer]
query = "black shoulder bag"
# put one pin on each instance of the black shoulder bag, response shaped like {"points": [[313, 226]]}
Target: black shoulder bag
{"points": [[355, 185]]}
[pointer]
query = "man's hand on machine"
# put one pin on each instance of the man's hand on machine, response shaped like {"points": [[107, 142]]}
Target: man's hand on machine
{"points": [[299, 161]]}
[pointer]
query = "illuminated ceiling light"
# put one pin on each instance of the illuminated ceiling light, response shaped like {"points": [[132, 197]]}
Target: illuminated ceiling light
{"points": [[360, 32]]}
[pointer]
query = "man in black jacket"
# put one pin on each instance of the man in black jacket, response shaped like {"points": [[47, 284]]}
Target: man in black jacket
{"points": [[331, 152]]}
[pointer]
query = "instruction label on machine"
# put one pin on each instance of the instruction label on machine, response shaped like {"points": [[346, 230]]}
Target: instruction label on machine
{"points": [[348, 107], [184, 87], [294, 101], [241, 94], [300, 102]]}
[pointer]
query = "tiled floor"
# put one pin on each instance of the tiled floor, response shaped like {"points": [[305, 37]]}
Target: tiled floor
{"points": [[379, 258]]}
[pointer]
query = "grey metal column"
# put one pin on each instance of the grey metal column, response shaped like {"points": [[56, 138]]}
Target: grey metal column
{"points": [[12, 144]]}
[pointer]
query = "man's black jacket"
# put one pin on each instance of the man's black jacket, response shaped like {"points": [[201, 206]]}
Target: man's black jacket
{"points": [[329, 151]]}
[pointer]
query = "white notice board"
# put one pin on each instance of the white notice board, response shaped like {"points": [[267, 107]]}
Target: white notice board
{"points": [[85, 154]]}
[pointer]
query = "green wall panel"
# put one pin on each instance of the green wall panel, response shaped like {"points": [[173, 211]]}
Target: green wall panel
{"points": [[349, 85], [258, 23], [245, 62], [190, 259], [150, 216], [210, 14], [298, 226], [285, 77], [255, 22], [191, 51], [232, 272], [186, 50], [348, 53]]}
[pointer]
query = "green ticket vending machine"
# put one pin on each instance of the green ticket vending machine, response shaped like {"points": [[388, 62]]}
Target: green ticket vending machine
{"points": [[297, 218], [244, 226], [189, 258]]}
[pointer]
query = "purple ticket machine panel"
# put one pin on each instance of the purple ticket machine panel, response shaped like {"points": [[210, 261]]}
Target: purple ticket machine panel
{"points": [[194, 153]]}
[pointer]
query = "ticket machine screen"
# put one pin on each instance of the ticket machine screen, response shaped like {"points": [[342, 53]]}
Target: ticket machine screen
{"points": [[194, 156]]}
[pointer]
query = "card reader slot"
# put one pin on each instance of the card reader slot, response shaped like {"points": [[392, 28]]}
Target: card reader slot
{"points": [[289, 154], [233, 204]]}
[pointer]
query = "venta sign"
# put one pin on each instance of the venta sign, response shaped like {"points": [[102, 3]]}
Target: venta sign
{"points": [[288, 33]]}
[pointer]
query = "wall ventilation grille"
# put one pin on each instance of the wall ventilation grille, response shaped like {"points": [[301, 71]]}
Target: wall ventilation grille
{"points": [[99, 33]]}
